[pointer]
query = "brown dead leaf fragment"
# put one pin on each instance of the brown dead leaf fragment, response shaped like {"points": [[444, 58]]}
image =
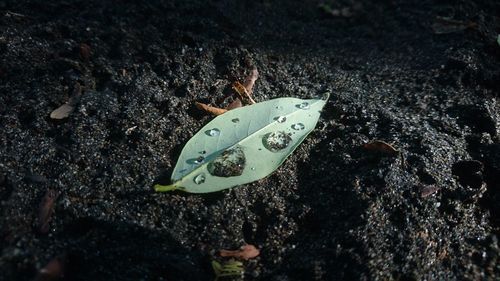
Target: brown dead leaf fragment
{"points": [[46, 210], [234, 104], [52, 271], [210, 109], [382, 147], [245, 252], [85, 51], [250, 80], [242, 93], [444, 25]]}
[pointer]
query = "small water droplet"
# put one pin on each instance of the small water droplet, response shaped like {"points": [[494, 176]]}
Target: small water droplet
{"points": [[279, 107], [298, 126], [230, 163], [253, 168], [235, 120], [276, 141], [213, 132], [199, 179], [280, 119], [203, 152], [304, 105], [199, 160]]}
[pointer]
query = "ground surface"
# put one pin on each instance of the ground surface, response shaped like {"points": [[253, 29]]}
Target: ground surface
{"points": [[334, 210]]}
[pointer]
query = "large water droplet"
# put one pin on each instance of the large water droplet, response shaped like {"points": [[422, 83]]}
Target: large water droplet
{"points": [[298, 126], [304, 105], [199, 179], [230, 163], [276, 141], [280, 119], [235, 120], [213, 132]]}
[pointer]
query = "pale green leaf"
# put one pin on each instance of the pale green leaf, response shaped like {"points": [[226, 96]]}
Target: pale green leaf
{"points": [[244, 145]]}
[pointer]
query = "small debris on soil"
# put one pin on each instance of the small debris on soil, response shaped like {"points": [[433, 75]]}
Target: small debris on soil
{"points": [[62, 112], [245, 252], [250, 80], [52, 271], [345, 12], [85, 52], [446, 25], [381, 147], [46, 210], [66, 109], [428, 190], [231, 268]]}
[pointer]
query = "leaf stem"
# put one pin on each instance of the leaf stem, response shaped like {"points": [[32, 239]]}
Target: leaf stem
{"points": [[165, 188]]}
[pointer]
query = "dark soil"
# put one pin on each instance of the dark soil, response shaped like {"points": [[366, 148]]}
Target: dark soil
{"points": [[78, 192]]}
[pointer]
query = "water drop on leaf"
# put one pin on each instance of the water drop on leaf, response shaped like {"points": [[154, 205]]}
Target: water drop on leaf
{"points": [[298, 126], [230, 163], [199, 160], [213, 132], [280, 119], [304, 105], [276, 141], [199, 179]]}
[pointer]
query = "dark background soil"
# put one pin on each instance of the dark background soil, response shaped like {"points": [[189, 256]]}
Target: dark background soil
{"points": [[334, 210]]}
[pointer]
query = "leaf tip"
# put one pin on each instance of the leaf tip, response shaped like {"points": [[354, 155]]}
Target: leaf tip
{"points": [[325, 96]]}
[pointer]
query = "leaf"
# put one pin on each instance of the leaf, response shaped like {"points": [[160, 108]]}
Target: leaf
{"points": [[244, 144]]}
